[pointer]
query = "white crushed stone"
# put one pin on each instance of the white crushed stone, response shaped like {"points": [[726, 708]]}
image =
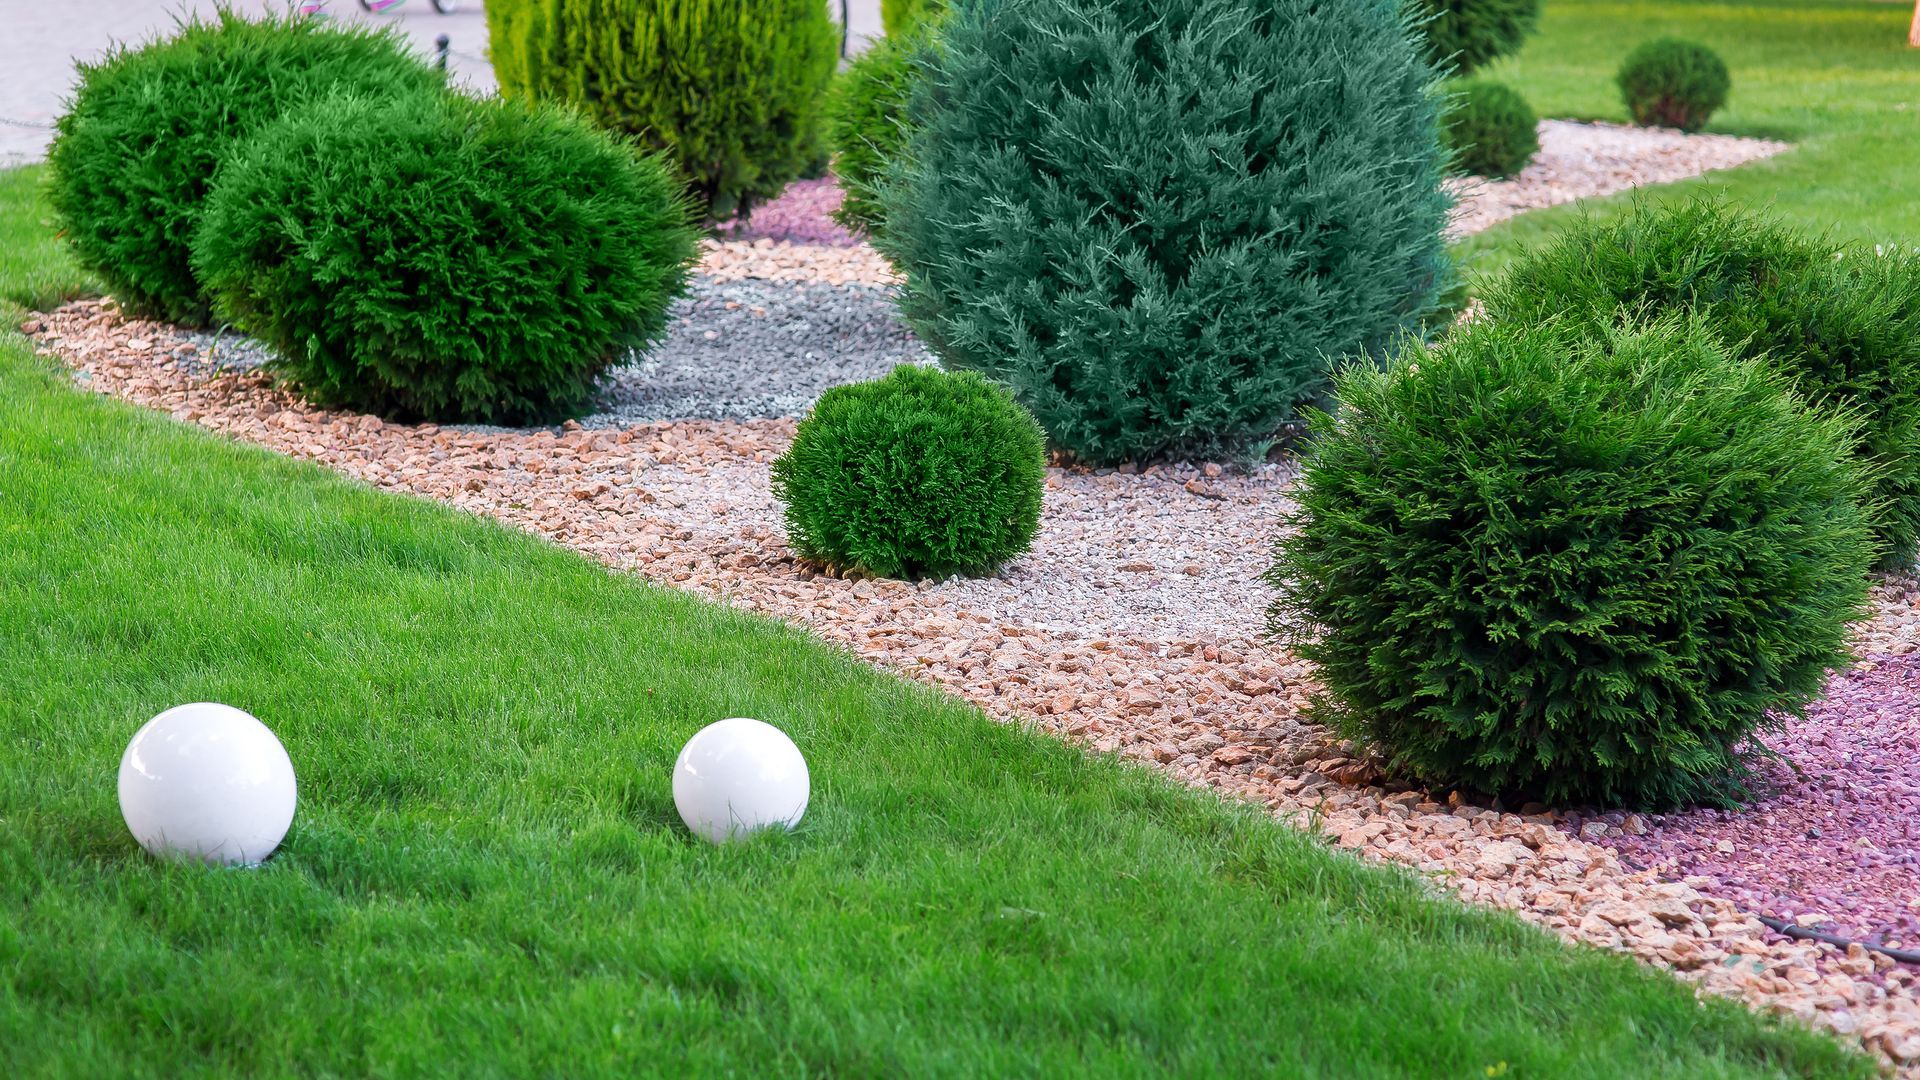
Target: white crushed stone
{"points": [[1578, 161]]}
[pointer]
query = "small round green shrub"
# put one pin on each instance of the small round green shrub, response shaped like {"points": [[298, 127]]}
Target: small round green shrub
{"points": [[1537, 563], [1673, 83], [1489, 128], [867, 125], [1463, 36], [134, 156], [900, 18], [921, 473], [445, 258], [729, 90], [1845, 331], [1155, 220]]}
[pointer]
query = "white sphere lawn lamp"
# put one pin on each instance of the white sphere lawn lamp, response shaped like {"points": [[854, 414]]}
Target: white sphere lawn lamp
{"points": [[207, 783], [737, 776]]}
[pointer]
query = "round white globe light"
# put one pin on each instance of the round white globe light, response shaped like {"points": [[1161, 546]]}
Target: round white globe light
{"points": [[738, 775], [207, 782]]}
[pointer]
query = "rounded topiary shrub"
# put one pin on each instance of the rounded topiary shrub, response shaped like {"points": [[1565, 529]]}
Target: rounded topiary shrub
{"points": [[445, 259], [922, 473], [1539, 564], [1155, 220], [867, 125], [1845, 331], [134, 156], [730, 90], [903, 17], [1673, 83], [1464, 35], [1489, 128]]}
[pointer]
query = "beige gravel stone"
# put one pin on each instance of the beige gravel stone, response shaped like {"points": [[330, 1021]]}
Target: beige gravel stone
{"points": [[780, 260]]}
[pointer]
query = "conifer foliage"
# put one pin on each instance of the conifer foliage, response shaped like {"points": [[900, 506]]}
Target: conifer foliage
{"points": [[730, 90], [445, 258], [903, 17], [134, 158], [1571, 563], [1157, 220], [867, 124], [1463, 36], [922, 473], [1843, 323]]}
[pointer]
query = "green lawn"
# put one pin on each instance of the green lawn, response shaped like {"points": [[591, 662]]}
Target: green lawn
{"points": [[487, 877], [36, 271], [1835, 77]]}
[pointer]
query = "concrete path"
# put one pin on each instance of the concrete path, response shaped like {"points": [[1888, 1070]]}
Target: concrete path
{"points": [[40, 40]]}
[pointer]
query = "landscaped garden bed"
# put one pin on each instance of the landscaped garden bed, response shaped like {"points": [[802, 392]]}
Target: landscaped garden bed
{"points": [[1160, 346], [1127, 629]]}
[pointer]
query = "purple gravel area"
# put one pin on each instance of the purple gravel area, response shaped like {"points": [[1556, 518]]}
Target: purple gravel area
{"points": [[1837, 832], [802, 214]]}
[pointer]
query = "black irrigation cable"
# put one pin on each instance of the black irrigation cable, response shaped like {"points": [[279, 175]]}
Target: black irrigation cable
{"points": [[1794, 930]]}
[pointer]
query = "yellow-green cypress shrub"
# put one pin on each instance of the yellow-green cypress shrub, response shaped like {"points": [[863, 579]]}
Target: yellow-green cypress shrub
{"points": [[730, 90]]}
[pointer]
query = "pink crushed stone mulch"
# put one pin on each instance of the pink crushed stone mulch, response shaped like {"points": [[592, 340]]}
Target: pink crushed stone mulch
{"points": [[1835, 840], [802, 214]]}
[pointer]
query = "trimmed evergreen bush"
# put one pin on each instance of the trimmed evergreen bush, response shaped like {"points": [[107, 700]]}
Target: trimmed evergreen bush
{"points": [[867, 125], [1489, 128], [730, 90], [924, 472], [1155, 220], [1673, 83], [901, 18], [1845, 330], [134, 156], [445, 258], [1536, 563], [1463, 36]]}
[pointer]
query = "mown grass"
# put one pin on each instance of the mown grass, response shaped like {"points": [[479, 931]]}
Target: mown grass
{"points": [[486, 875], [37, 271], [1835, 77]]}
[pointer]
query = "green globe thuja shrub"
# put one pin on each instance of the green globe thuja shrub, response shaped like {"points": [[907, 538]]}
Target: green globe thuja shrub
{"points": [[1842, 324], [924, 472], [867, 124], [134, 156], [445, 258], [1538, 563], [1155, 220], [1673, 83], [730, 90], [1462, 36], [903, 17], [1489, 128]]}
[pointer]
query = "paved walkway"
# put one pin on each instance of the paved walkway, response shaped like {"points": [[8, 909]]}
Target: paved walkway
{"points": [[40, 42]]}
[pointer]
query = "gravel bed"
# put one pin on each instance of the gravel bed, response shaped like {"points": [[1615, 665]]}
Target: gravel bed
{"points": [[767, 259], [1106, 636], [740, 350], [752, 349], [802, 214], [1577, 161], [1834, 843]]}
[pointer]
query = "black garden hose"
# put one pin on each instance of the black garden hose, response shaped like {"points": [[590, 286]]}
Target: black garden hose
{"points": [[1794, 930]]}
